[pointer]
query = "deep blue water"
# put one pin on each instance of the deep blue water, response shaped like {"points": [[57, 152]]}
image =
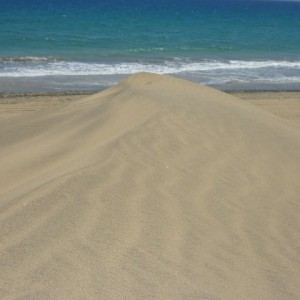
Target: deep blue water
{"points": [[87, 45]]}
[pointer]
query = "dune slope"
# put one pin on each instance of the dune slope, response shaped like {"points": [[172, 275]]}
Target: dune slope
{"points": [[157, 188]]}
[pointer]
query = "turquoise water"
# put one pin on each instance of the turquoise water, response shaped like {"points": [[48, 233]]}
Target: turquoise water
{"points": [[88, 45]]}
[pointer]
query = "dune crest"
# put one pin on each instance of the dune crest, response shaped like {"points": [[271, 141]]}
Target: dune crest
{"points": [[157, 188]]}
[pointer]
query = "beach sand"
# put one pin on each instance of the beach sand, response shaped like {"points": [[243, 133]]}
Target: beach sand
{"points": [[284, 104], [157, 188]]}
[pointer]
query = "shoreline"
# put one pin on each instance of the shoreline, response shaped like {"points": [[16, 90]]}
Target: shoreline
{"points": [[46, 94], [84, 93], [245, 95]]}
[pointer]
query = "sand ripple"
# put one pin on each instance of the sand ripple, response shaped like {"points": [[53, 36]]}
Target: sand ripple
{"points": [[157, 188]]}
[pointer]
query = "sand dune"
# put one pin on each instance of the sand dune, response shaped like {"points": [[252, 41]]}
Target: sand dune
{"points": [[157, 188]]}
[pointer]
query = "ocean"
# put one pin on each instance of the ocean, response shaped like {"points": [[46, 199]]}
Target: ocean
{"points": [[58, 46]]}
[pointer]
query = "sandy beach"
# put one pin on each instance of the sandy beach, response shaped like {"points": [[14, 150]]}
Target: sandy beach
{"points": [[284, 104], [157, 188]]}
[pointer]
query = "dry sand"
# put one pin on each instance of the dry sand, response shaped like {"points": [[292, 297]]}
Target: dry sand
{"points": [[19, 104], [157, 188], [282, 104], [285, 104]]}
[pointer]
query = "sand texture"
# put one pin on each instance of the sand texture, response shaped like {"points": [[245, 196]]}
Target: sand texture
{"points": [[283, 104], [19, 104], [157, 188]]}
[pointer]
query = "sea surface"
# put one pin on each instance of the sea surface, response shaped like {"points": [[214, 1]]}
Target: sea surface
{"points": [[74, 45]]}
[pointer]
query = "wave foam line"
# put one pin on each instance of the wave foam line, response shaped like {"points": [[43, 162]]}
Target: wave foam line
{"points": [[19, 69]]}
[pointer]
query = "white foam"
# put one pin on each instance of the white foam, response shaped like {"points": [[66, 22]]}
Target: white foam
{"points": [[252, 69]]}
